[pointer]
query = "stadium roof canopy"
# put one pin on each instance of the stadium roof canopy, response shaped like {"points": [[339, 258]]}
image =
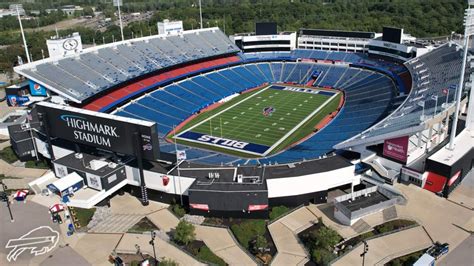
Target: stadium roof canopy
{"points": [[93, 70], [435, 76]]}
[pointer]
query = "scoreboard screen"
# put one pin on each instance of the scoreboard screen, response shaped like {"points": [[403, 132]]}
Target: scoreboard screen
{"points": [[266, 28], [393, 35]]}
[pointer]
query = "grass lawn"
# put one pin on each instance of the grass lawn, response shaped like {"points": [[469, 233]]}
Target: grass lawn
{"points": [[144, 225], [8, 155], [278, 211], [84, 215], [292, 116], [406, 260], [37, 164], [248, 230], [205, 254]]}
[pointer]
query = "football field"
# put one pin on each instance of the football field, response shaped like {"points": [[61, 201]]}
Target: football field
{"points": [[261, 122]]}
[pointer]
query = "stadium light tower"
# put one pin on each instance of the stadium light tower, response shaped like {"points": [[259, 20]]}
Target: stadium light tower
{"points": [[23, 35], [118, 3], [468, 31], [200, 13]]}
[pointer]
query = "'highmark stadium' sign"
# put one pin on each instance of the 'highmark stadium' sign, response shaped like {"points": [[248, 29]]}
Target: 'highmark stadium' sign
{"points": [[105, 131], [92, 133]]}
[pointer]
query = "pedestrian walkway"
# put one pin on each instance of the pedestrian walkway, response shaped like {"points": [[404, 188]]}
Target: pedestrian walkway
{"points": [[95, 248], [20, 172], [221, 242], [163, 249], [285, 231], [164, 220], [385, 248]]}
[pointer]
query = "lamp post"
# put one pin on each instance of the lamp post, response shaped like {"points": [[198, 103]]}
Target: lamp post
{"points": [[152, 243], [139, 252], [366, 249], [5, 198]]}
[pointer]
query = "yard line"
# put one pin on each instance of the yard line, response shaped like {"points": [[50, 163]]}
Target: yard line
{"points": [[223, 111], [299, 125]]}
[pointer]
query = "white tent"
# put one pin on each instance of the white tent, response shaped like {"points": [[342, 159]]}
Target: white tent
{"points": [[71, 180]]}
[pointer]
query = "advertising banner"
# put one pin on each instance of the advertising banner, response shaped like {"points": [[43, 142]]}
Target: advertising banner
{"points": [[37, 90], [396, 148], [17, 101], [105, 131]]}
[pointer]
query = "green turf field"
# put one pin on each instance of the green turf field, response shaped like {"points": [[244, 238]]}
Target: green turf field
{"points": [[293, 116]]}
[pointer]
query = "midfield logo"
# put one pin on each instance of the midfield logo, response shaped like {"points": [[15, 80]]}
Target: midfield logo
{"points": [[268, 111]]}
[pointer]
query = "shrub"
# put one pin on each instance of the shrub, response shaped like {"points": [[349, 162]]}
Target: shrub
{"points": [[178, 210], [168, 262], [325, 238], [322, 256], [184, 233]]}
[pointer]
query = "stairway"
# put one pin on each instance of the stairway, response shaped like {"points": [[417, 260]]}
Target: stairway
{"points": [[104, 221]]}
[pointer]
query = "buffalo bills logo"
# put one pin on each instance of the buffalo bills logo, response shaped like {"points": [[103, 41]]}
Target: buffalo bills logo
{"points": [[147, 147], [268, 111]]}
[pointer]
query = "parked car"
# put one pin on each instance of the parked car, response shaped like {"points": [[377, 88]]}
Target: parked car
{"points": [[438, 250]]}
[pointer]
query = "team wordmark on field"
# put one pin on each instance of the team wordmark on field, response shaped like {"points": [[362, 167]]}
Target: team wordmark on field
{"points": [[215, 141]]}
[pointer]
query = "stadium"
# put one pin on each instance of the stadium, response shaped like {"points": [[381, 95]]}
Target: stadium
{"points": [[230, 126]]}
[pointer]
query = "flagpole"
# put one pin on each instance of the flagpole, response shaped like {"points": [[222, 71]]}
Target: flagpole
{"points": [[23, 35]]}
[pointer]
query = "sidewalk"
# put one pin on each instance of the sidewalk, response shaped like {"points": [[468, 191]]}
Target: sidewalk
{"points": [[223, 245], [383, 249], [284, 233], [20, 172]]}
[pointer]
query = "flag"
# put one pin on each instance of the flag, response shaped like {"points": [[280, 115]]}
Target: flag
{"points": [[445, 91]]}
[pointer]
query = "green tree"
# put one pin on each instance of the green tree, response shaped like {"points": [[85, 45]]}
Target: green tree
{"points": [[88, 11], [184, 233], [261, 242], [325, 238]]}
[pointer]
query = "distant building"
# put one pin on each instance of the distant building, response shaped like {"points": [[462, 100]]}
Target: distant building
{"points": [[170, 27], [58, 47], [12, 10], [71, 9]]}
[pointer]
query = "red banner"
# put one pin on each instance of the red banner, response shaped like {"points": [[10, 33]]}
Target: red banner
{"points": [[204, 207], [258, 207], [396, 148]]}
